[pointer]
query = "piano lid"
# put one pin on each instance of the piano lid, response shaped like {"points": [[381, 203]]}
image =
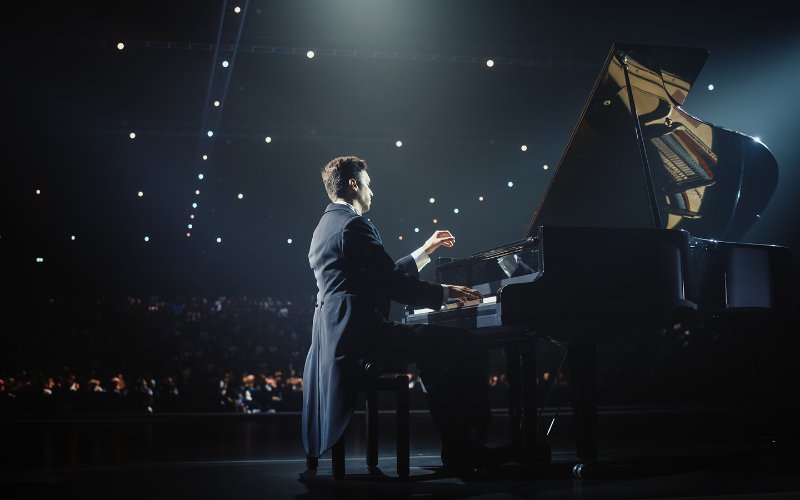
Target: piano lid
{"points": [[636, 159]]}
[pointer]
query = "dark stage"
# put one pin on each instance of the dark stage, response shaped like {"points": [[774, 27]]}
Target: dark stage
{"points": [[644, 452]]}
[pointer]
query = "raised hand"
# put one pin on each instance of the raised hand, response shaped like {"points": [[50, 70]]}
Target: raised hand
{"points": [[443, 238]]}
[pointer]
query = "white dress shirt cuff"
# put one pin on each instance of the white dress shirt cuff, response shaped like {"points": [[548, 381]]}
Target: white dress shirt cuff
{"points": [[421, 258]]}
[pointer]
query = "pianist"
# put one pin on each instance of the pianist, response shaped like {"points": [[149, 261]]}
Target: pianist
{"points": [[356, 281]]}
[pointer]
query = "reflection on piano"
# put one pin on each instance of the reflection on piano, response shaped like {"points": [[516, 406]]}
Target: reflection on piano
{"points": [[639, 228]]}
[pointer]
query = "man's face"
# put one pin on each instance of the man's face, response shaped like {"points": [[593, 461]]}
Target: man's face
{"points": [[364, 193]]}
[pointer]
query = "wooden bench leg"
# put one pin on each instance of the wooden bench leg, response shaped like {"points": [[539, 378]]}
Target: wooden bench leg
{"points": [[338, 459], [372, 429], [402, 427]]}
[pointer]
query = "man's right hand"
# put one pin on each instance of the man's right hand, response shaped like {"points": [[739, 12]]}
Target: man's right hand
{"points": [[462, 293]]}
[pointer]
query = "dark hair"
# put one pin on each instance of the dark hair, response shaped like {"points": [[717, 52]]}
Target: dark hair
{"points": [[338, 172]]}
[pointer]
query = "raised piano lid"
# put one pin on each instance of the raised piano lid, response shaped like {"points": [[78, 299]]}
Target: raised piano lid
{"points": [[666, 168]]}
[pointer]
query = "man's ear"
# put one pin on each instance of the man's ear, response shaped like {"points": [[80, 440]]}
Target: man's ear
{"points": [[353, 184]]}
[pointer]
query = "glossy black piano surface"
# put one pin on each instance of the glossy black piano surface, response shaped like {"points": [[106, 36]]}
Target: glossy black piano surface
{"points": [[640, 227]]}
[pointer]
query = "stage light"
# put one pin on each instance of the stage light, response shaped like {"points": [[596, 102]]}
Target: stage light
{"points": [[132, 135], [524, 147], [432, 200], [72, 237], [240, 196], [219, 240], [480, 198], [416, 229], [38, 191], [188, 234], [545, 167], [267, 139], [435, 221], [224, 64], [40, 259], [188, 226], [120, 46], [194, 205], [399, 144], [146, 238], [710, 86], [205, 157], [289, 241], [455, 210], [210, 133], [310, 54], [197, 192], [400, 237], [510, 184], [216, 104], [200, 176], [489, 63], [237, 9], [140, 194], [191, 216]]}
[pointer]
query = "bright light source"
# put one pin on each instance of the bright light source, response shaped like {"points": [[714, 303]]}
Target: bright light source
{"points": [[710, 86], [39, 259], [146, 238], [240, 196], [205, 157], [400, 237], [200, 176], [489, 63], [545, 167], [267, 139], [189, 226], [237, 9], [289, 241], [194, 205], [216, 104], [120, 46], [523, 147], [224, 64], [140, 194], [455, 210], [132, 135], [757, 139], [510, 184], [197, 192], [188, 234], [191, 216], [219, 240], [72, 238], [210, 133], [38, 191], [399, 144], [310, 54], [416, 229], [480, 198], [432, 200], [435, 221]]}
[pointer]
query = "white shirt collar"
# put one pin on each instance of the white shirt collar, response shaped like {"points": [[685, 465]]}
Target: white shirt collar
{"points": [[342, 202]]}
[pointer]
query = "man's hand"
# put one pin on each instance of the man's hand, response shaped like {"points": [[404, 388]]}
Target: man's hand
{"points": [[438, 239], [462, 293]]}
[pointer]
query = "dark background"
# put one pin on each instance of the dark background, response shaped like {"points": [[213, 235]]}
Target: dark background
{"points": [[384, 71]]}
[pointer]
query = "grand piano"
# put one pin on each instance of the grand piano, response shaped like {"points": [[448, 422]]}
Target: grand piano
{"points": [[639, 229]]}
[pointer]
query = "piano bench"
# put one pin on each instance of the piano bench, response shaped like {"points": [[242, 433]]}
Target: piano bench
{"points": [[371, 384]]}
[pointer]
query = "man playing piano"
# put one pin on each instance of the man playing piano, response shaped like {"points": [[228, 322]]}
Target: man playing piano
{"points": [[356, 281]]}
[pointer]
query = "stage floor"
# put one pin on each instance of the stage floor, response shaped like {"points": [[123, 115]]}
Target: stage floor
{"points": [[645, 452]]}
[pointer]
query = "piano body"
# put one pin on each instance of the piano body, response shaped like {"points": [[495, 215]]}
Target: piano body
{"points": [[638, 229]]}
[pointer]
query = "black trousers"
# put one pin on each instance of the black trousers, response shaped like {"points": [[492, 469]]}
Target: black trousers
{"points": [[453, 369]]}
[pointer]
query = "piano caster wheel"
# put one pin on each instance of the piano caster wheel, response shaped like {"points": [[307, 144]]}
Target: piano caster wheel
{"points": [[582, 471]]}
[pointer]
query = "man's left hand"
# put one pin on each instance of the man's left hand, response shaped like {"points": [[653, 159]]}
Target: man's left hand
{"points": [[442, 238]]}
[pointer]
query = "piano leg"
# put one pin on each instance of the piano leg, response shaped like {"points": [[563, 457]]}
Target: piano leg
{"points": [[522, 411], [583, 374]]}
